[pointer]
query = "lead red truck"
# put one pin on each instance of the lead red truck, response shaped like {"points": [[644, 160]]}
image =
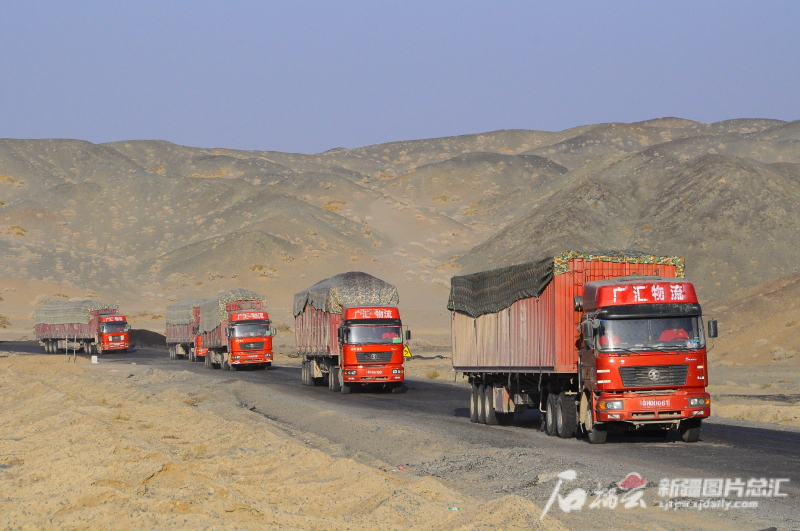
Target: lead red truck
{"points": [[595, 341], [92, 326], [349, 333]]}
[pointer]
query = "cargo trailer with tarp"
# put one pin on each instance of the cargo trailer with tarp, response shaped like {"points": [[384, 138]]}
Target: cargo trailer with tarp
{"points": [[533, 335], [234, 330], [181, 328], [89, 325], [348, 331]]}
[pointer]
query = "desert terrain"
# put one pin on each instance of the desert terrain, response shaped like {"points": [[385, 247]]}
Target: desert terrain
{"points": [[144, 223]]}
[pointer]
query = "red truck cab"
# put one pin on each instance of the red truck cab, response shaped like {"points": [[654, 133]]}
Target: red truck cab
{"points": [[113, 333], [643, 361], [249, 338], [371, 342]]}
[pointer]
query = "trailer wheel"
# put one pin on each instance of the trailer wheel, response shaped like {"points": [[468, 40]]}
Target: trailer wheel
{"points": [[47, 347], [598, 434], [690, 430], [566, 421], [488, 405], [473, 403], [334, 384], [207, 360], [550, 415]]}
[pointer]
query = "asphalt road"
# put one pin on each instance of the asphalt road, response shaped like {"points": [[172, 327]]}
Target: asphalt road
{"points": [[725, 450]]}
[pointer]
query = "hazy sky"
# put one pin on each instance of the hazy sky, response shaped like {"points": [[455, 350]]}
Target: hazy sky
{"points": [[310, 76]]}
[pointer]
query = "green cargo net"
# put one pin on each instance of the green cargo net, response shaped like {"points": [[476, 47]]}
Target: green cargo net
{"points": [[66, 312], [346, 289], [497, 289]]}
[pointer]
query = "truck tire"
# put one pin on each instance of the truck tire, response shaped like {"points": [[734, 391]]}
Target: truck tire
{"points": [[550, 416], [690, 430], [481, 404], [488, 405], [473, 403], [345, 387], [598, 434], [226, 363], [566, 419], [207, 360], [172, 352], [334, 384]]}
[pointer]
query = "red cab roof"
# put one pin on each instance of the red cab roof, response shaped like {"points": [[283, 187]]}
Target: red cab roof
{"points": [[250, 315], [112, 318], [637, 290]]}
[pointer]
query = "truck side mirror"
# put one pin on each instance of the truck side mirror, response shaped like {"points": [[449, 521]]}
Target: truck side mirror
{"points": [[712, 328], [127, 328], [340, 334], [588, 333], [408, 335], [273, 331]]}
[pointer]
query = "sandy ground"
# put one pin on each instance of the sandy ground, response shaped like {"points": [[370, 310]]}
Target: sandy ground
{"points": [[84, 448]]}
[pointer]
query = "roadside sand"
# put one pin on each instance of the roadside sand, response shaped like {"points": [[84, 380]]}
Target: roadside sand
{"points": [[87, 449]]}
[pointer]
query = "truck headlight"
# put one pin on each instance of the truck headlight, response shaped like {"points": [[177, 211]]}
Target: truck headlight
{"points": [[610, 405], [351, 373], [397, 371], [700, 401]]}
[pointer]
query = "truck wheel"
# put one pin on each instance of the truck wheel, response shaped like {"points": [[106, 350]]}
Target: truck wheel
{"points": [[598, 434], [690, 430], [473, 403], [397, 389], [304, 373], [47, 347], [226, 364], [334, 384], [207, 360], [345, 388], [488, 405], [481, 404], [550, 416], [566, 421]]}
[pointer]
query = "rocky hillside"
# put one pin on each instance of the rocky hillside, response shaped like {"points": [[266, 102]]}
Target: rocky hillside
{"points": [[142, 223]]}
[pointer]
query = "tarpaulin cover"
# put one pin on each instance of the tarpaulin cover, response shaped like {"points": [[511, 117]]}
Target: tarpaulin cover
{"points": [[212, 311], [346, 289], [182, 311], [494, 290], [65, 312]]}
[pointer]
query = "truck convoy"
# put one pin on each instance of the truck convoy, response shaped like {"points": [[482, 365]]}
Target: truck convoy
{"points": [[181, 331], [348, 331], [593, 340], [88, 325], [234, 331]]}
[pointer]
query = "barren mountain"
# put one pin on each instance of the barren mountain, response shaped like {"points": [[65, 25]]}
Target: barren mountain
{"points": [[143, 222]]}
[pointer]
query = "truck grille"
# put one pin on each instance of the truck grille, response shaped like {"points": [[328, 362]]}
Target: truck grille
{"points": [[374, 357], [654, 375], [255, 345]]}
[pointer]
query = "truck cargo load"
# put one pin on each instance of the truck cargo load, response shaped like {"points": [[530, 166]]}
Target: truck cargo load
{"points": [[93, 326], [348, 331], [519, 333]]}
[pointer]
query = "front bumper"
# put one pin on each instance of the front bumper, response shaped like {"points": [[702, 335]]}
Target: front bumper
{"points": [[115, 345], [649, 409], [374, 374], [250, 357]]}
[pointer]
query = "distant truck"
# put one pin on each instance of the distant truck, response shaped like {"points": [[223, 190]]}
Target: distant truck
{"points": [[595, 341], [181, 331], [234, 331], [348, 331], [92, 326]]}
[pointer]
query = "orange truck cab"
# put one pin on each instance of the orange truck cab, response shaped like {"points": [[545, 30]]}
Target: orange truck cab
{"points": [[643, 359], [249, 336], [113, 333], [371, 343]]}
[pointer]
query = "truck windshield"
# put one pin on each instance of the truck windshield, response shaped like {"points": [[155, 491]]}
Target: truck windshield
{"points": [[114, 328], [360, 335], [251, 330], [656, 334]]}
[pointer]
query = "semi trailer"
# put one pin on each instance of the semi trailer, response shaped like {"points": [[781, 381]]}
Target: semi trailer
{"points": [[234, 331], [594, 341], [181, 329], [349, 333], [92, 326]]}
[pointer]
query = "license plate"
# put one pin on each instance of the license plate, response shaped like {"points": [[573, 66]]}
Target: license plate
{"points": [[655, 402]]}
